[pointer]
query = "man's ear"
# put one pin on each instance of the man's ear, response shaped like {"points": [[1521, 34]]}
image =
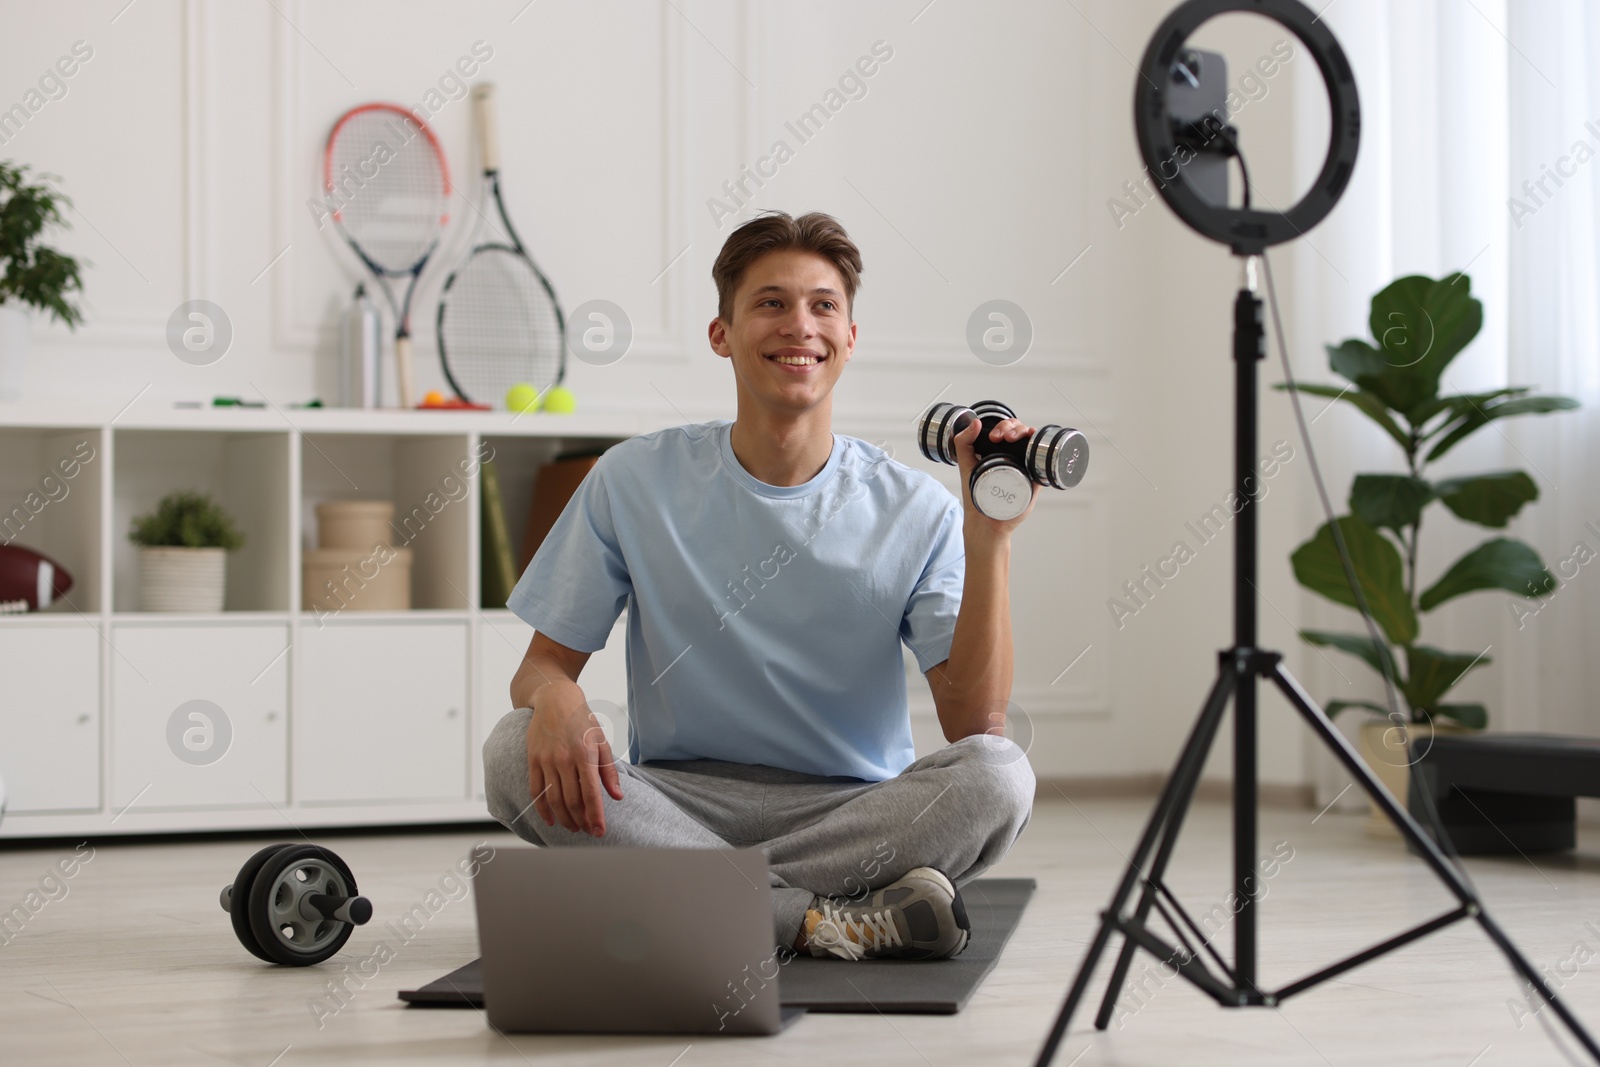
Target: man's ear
{"points": [[718, 334], [851, 348]]}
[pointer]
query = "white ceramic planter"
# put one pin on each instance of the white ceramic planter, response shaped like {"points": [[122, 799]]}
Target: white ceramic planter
{"points": [[15, 335], [181, 579]]}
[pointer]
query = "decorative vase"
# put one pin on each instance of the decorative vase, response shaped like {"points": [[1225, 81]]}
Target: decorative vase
{"points": [[15, 336], [1386, 754], [182, 579]]}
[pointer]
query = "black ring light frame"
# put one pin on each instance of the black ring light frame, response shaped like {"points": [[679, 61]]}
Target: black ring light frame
{"points": [[1245, 230], [1249, 233]]}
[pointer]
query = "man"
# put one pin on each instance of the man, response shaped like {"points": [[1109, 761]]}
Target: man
{"points": [[771, 570]]}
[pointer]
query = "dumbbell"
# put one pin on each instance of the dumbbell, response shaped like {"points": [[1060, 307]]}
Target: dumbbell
{"points": [[1001, 483], [294, 904]]}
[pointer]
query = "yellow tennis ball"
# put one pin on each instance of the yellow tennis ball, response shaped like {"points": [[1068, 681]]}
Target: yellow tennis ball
{"points": [[560, 401], [522, 397]]}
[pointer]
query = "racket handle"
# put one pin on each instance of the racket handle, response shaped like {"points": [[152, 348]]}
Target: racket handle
{"points": [[483, 105], [402, 372]]}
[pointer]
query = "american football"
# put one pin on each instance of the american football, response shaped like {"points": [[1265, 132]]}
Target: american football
{"points": [[29, 581]]}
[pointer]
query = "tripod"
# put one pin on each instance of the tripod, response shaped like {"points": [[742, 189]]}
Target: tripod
{"points": [[1237, 672]]}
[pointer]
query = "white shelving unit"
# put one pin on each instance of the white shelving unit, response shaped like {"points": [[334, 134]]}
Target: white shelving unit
{"points": [[263, 716]]}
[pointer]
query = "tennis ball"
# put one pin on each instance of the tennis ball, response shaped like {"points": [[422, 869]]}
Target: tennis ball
{"points": [[522, 397], [560, 401]]}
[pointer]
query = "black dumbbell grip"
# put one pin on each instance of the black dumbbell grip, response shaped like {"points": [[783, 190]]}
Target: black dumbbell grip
{"points": [[353, 910]]}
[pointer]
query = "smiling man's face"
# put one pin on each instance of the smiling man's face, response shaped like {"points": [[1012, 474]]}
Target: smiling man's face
{"points": [[790, 334]]}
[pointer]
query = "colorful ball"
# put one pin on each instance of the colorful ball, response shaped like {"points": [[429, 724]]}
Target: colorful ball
{"points": [[560, 401], [522, 397]]}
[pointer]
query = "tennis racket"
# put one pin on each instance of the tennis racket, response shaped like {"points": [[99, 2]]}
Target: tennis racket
{"points": [[387, 174], [499, 322]]}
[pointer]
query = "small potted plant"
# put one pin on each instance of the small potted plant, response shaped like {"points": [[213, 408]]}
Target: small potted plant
{"points": [[31, 274], [1420, 324], [183, 546]]}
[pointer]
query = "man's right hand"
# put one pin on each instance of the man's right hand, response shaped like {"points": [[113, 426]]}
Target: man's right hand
{"points": [[569, 761]]}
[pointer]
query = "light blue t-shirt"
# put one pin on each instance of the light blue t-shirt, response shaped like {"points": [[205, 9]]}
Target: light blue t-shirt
{"points": [[764, 622]]}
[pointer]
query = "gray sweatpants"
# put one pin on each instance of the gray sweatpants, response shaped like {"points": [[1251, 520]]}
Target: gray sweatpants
{"points": [[959, 809]]}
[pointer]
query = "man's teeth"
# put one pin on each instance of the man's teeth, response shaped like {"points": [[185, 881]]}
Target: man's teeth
{"points": [[796, 361]]}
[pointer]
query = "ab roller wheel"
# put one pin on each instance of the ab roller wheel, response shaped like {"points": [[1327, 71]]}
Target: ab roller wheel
{"points": [[294, 904]]}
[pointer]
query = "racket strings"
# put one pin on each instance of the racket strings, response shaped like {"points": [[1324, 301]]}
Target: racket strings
{"points": [[499, 327], [388, 186]]}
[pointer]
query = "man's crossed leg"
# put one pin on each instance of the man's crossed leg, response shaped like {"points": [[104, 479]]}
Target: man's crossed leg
{"points": [[957, 810]]}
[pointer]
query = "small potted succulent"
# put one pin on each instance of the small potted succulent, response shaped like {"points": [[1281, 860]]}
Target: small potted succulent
{"points": [[31, 274], [183, 546], [1419, 325]]}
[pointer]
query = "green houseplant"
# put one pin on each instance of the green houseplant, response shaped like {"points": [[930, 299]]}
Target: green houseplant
{"points": [[183, 545], [31, 274], [1419, 325]]}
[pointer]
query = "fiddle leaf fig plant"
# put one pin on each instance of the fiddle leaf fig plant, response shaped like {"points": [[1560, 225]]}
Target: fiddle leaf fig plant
{"points": [[1419, 325]]}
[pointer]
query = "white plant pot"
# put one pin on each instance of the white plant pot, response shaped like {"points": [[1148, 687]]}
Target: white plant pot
{"points": [[182, 579], [15, 335]]}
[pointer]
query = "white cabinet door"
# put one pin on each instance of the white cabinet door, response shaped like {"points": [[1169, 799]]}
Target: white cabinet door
{"points": [[380, 711], [50, 718], [198, 715], [502, 640]]}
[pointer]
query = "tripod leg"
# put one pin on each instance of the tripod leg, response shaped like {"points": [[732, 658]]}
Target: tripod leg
{"points": [[1397, 814], [1181, 787], [1165, 820], [1422, 843], [1520, 964]]}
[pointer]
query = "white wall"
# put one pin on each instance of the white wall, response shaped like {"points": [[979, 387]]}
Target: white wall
{"points": [[978, 165]]}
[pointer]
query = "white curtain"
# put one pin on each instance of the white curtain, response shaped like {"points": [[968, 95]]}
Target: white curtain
{"points": [[1462, 102]]}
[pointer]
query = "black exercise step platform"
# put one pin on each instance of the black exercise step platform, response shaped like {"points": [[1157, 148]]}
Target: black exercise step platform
{"points": [[1505, 793]]}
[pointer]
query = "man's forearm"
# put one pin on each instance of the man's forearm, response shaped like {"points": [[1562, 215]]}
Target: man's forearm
{"points": [[538, 677], [974, 686]]}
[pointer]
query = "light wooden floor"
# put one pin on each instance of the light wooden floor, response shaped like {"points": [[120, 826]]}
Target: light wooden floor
{"points": [[136, 965]]}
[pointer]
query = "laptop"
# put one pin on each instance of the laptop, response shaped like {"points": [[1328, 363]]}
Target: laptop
{"points": [[629, 940]]}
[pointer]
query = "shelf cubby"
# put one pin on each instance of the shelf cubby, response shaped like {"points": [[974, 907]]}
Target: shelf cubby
{"points": [[429, 479], [517, 461], [246, 472], [51, 481]]}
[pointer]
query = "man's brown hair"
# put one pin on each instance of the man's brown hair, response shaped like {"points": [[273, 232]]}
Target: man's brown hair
{"points": [[777, 231]]}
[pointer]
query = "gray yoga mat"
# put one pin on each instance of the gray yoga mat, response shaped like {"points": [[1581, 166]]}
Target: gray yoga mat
{"points": [[936, 987]]}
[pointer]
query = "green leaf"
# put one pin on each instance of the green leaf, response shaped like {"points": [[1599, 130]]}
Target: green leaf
{"points": [[1477, 416], [1420, 324], [1364, 365], [1433, 672], [1378, 569], [1370, 405], [1502, 563], [1392, 500], [1472, 716], [1457, 403], [1334, 707], [1488, 499], [1374, 653]]}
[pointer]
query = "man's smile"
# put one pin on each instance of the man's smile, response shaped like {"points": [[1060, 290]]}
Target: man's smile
{"points": [[798, 360]]}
